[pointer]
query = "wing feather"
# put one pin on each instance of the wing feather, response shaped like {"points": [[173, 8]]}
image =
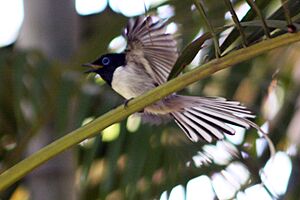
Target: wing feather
{"points": [[149, 38]]}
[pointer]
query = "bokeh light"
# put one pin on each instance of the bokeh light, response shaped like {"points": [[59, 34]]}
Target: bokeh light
{"points": [[88, 7], [111, 133], [11, 18], [203, 183], [130, 8]]}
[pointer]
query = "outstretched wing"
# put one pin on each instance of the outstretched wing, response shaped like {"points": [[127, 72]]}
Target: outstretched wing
{"points": [[149, 39]]}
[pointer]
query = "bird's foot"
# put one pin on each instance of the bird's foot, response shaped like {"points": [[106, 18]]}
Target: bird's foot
{"points": [[126, 104], [127, 101]]}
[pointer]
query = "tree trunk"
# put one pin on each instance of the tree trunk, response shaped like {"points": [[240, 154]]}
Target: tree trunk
{"points": [[50, 26]]}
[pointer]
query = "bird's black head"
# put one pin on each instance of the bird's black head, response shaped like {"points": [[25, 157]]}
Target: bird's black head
{"points": [[106, 65]]}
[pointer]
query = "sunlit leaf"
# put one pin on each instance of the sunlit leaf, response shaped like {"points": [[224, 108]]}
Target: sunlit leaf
{"points": [[188, 54]]}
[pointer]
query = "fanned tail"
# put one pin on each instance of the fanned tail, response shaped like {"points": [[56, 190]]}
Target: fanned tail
{"points": [[208, 118]]}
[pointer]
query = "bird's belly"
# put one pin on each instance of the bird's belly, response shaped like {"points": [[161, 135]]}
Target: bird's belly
{"points": [[130, 82]]}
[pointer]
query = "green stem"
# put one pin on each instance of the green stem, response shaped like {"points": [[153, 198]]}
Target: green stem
{"points": [[259, 14], [22, 168], [286, 12], [209, 26], [237, 22]]}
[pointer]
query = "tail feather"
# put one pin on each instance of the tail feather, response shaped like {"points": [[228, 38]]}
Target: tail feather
{"points": [[208, 127], [192, 135], [224, 116], [219, 125], [232, 109], [209, 118], [194, 129]]}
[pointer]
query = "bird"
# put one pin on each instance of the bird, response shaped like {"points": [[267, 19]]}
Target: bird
{"points": [[146, 63]]}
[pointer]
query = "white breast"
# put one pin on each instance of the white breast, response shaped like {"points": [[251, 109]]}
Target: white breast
{"points": [[131, 81]]}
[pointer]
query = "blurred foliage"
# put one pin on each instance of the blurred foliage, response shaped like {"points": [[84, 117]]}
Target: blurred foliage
{"points": [[36, 92]]}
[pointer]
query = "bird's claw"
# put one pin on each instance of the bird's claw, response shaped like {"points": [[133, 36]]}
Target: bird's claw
{"points": [[127, 101], [126, 104]]}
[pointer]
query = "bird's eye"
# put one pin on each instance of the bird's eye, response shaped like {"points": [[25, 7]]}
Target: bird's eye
{"points": [[105, 61]]}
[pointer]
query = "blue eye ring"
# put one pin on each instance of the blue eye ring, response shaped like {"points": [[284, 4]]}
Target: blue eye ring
{"points": [[105, 61]]}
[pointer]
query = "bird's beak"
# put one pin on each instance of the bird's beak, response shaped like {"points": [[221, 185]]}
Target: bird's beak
{"points": [[93, 67], [87, 65]]}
